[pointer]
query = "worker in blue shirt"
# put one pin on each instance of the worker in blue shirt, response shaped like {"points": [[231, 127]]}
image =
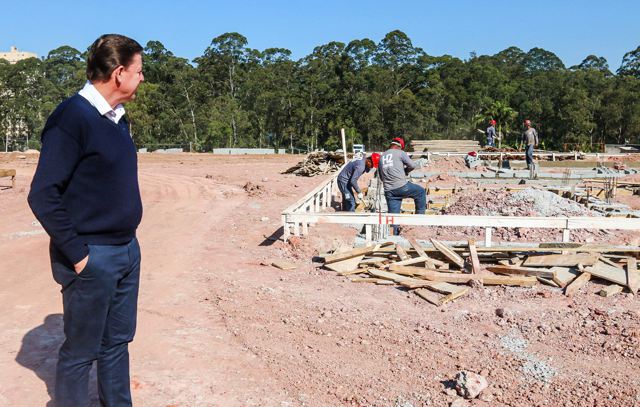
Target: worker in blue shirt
{"points": [[348, 180]]}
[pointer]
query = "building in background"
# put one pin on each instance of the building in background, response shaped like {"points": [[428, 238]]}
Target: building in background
{"points": [[14, 55]]}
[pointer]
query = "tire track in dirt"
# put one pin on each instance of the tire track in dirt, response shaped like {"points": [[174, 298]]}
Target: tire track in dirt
{"points": [[185, 217]]}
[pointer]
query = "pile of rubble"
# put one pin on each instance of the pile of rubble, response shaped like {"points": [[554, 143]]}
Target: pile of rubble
{"points": [[441, 273], [528, 202], [318, 163]]}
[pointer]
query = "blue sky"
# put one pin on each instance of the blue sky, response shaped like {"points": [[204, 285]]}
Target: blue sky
{"points": [[571, 29]]}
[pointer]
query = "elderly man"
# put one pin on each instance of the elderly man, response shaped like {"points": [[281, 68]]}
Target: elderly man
{"points": [[85, 194], [394, 166]]}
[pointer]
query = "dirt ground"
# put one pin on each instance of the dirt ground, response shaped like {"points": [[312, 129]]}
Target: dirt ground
{"points": [[217, 328]]}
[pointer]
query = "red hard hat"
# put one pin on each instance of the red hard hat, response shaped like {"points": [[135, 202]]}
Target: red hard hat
{"points": [[492, 121], [527, 122], [375, 159], [399, 142]]}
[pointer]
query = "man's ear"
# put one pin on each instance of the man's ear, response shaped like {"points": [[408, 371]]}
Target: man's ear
{"points": [[117, 74]]}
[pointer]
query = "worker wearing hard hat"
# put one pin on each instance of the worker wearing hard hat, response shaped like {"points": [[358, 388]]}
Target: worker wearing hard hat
{"points": [[530, 140], [348, 180], [394, 166], [491, 133]]}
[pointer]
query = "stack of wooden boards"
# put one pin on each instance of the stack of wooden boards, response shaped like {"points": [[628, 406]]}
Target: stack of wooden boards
{"points": [[442, 273], [454, 146], [11, 174], [318, 163]]}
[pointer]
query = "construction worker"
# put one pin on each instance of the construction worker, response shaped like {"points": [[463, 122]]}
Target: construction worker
{"points": [[394, 166], [530, 140], [491, 133], [348, 180]]}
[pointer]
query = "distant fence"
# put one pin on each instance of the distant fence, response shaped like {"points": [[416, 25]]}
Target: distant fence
{"points": [[241, 151]]}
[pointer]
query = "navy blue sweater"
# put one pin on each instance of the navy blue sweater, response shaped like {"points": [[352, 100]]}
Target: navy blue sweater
{"points": [[85, 189]]}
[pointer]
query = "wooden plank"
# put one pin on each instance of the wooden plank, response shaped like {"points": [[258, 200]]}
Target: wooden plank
{"points": [[449, 277], [563, 275], [548, 282], [577, 284], [558, 245], [610, 262], [361, 251], [284, 265], [421, 253], [391, 276], [416, 246], [7, 173], [420, 271], [610, 290], [562, 260], [444, 288], [633, 277], [370, 280], [345, 265], [401, 253], [352, 272], [450, 297], [473, 254], [459, 278], [607, 272], [372, 260], [523, 271], [429, 296], [520, 281], [412, 283], [448, 253], [439, 299], [373, 218], [592, 248], [409, 262]]}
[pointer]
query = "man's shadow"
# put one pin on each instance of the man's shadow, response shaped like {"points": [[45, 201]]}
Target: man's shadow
{"points": [[39, 351]]}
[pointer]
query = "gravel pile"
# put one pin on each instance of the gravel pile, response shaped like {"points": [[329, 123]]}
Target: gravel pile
{"points": [[546, 203], [528, 202]]}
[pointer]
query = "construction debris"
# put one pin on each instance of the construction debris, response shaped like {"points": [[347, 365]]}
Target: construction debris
{"points": [[441, 272], [318, 163]]}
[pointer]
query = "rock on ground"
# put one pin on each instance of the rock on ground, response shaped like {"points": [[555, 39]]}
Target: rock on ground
{"points": [[469, 385]]}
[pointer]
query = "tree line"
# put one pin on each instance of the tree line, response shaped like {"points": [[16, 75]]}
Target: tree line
{"points": [[236, 96]]}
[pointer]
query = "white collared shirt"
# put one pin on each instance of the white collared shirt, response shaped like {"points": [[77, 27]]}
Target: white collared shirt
{"points": [[98, 101]]}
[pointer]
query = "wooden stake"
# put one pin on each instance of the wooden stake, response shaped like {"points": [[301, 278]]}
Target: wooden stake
{"points": [[448, 253], [473, 253], [610, 290], [633, 277], [577, 284], [421, 253], [401, 253]]}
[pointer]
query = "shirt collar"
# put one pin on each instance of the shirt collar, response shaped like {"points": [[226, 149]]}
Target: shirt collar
{"points": [[98, 101]]}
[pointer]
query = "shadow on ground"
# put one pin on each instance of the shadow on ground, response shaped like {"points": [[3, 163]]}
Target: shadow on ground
{"points": [[39, 350]]}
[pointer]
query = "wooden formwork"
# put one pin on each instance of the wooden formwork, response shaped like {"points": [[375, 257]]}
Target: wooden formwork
{"points": [[549, 156], [307, 211]]}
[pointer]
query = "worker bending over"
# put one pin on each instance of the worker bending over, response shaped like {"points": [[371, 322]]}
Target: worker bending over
{"points": [[348, 180], [394, 166]]}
